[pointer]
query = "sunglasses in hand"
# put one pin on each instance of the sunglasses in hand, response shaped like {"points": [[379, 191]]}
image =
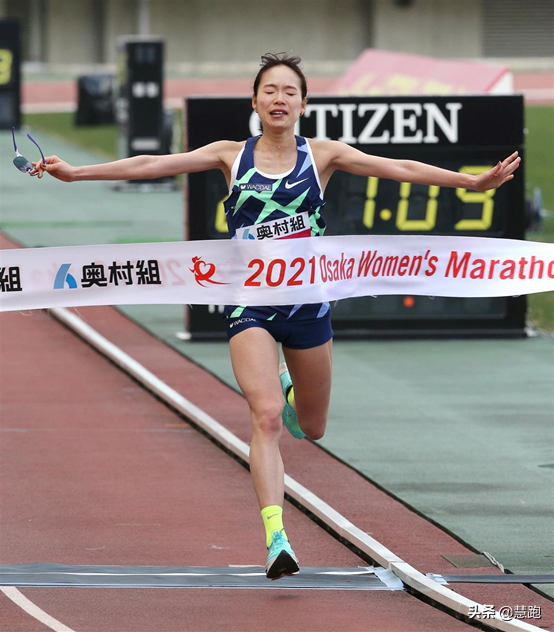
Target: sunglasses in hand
{"points": [[20, 161]]}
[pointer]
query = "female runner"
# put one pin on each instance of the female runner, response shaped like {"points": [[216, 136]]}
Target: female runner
{"points": [[279, 176]]}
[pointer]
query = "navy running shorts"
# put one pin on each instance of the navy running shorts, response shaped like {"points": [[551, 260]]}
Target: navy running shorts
{"points": [[294, 334]]}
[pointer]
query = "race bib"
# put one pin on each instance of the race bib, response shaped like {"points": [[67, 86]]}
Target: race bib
{"points": [[285, 228]]}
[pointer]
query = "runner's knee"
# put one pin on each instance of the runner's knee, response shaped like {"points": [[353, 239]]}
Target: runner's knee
{"points": [[267, 421], [314, 429], [314, 435]]}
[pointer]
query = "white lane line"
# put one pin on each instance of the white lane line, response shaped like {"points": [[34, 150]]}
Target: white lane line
{"points": [[329, 516], [30, 608]]}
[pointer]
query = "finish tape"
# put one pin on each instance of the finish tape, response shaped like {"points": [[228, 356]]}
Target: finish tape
{"points": [[273, 272]]}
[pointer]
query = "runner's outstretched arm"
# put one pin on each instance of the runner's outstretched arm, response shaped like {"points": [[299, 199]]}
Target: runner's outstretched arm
{"points": [[211, 156], [346, 158]]}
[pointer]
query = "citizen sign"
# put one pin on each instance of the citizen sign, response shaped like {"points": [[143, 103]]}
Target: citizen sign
{"points": [[381, 123]]}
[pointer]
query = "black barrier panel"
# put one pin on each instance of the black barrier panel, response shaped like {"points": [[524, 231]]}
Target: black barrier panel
{"points": [[95, 100], [10, 74], [142, 127], [466, 134]]}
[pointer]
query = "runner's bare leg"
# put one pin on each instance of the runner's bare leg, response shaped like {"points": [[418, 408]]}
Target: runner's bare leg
{"points": [[255, 359], [310, 371]]}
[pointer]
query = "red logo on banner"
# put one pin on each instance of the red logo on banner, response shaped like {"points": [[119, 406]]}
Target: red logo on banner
{"points": [[204, 272]]}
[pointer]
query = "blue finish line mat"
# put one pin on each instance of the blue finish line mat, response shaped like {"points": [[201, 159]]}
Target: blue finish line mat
{"points": [[251, 577]]}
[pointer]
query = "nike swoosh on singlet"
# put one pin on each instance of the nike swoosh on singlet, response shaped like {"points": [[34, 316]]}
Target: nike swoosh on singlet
{"points": [[289, 186]]}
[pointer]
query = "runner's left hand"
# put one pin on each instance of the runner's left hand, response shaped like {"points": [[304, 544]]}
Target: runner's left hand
{"points": [[495, 177]]}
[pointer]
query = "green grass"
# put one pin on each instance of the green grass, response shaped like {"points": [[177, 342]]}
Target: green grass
{"points": [[539, 157], [100, 139], [539, 172], [538, 168]]}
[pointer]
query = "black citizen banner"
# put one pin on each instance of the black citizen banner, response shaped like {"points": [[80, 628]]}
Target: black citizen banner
{"points": [[469, 122], [466, 134]]}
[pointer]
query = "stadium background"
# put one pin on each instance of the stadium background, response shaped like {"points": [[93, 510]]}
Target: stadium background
{"points": [[326, 33]]}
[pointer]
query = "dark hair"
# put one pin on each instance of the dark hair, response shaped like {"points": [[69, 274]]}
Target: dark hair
{"points": [[270, 60]]}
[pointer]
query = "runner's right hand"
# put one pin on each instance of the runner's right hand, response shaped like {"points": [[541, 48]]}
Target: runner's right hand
{"points": [[56, 167]]}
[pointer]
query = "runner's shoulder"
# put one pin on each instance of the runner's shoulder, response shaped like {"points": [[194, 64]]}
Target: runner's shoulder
{"points": [[325, 151], [325, 148], [228, 146], [223, 151], [228, 150]]}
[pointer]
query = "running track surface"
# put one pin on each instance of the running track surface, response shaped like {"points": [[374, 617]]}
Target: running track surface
{"points": [[94, 470], [538, 88]]}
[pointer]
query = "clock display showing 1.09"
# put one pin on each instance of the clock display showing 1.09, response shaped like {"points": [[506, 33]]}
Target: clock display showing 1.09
{"points": [[465, 134], [384, 207]]}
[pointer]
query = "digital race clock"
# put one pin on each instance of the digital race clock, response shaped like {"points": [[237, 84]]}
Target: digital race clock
{"points": [[465, 134]]}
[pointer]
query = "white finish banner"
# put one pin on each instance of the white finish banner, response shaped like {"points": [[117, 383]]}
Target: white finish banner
{"points": [[272, 272]]}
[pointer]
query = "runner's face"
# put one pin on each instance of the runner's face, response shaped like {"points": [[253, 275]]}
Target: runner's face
{"points": [[279, 99]]}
